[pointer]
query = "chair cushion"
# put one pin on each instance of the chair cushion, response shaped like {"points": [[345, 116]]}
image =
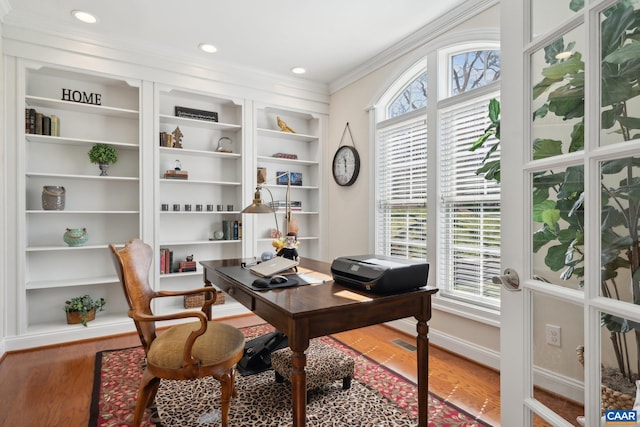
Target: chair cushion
{"points": [[220, 342]]}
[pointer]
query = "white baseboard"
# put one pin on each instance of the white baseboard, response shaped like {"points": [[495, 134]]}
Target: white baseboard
{"points": [[548, 380]]}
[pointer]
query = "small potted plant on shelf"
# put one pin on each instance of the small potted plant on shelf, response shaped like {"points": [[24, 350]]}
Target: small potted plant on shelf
{"points": [[83, 309], [103, 155]]}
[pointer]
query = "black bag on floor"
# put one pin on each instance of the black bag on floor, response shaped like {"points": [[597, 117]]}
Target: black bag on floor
{"points": [[257, 353]]}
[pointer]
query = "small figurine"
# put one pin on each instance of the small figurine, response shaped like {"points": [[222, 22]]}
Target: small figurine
{"points": [[190, 258], [177, 138], [290, 249], [283, 126], [177, 165]]}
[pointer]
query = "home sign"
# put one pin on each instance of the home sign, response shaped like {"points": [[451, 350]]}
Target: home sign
{"points": [[81, 96]]}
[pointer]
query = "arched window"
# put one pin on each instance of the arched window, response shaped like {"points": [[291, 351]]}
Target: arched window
{"points": [[466, 248]]}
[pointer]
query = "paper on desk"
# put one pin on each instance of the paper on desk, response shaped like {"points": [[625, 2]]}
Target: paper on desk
{"points": [[352, 296], [311, 276], [307, 278]]}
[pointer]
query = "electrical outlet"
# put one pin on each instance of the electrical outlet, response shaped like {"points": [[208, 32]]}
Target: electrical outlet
{"points": [[553, 335]]}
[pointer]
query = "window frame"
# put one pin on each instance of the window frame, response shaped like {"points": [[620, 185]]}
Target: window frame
{"points": [[441, 98]]}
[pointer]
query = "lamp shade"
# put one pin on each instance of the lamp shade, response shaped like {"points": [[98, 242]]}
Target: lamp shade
{"points": [[258, 206]]}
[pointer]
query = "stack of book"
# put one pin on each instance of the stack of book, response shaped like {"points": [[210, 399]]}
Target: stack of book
{"points": [[294, 205], [38, 124], [176, 174], [231, 230], [166, 139], [166, 260], [186, 266]]}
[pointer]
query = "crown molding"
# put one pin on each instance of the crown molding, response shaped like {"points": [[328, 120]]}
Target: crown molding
{"points": [[423, 36]]}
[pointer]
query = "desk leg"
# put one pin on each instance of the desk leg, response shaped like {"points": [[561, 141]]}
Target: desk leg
{"points": [[423, 372], [298, 385]]}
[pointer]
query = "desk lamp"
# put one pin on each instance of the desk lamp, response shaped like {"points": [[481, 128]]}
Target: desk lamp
{"points": [[257, 352], [259, 207]]}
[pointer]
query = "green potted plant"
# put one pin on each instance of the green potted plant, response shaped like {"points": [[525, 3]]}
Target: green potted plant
{"points": [[559, 194], [103, 155], [83, 309]]}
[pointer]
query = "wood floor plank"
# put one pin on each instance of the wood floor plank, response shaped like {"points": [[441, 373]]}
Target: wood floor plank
{"points": [[51, 386]]}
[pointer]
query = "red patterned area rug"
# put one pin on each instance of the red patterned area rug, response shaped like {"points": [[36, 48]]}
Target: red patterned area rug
{"points": [[377, 397]]}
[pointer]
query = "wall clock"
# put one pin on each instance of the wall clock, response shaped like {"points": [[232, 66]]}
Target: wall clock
{"points": [[346, 162]]}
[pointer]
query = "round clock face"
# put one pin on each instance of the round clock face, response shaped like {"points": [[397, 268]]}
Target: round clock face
{"points": [[346, 165]]}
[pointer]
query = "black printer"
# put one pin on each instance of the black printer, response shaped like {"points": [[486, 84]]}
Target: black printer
{"points": [[379, 274]]}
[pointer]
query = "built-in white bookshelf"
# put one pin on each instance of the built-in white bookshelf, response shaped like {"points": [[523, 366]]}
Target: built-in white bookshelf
{"points": [[105, 110], [129, 114], [277, 152], [198, 216]]}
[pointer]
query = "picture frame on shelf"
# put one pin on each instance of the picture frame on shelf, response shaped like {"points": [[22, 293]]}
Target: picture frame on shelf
{"points": [[294, 178], [262, 175], [192, 113]]}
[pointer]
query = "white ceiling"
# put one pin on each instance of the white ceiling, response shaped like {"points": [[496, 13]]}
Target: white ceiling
{"points": [[330, 38]]}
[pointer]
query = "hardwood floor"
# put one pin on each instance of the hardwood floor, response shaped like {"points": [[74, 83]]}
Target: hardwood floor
{"points": [[52, 386]]}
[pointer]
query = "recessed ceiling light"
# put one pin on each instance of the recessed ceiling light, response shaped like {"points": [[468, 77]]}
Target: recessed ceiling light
{"points": [[298, 70], [209, 48], [84, 16]]}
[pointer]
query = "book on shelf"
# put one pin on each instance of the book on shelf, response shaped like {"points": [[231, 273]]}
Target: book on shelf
{"points": [[231, 230], [176, 174], [39, 117], [166, 260], [167, 139], [36, 123], [46, 125], [294, 205], [55, 125]]}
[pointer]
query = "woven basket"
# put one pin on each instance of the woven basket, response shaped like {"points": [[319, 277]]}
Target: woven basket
{"points": [[611, 399], [197, 300]]}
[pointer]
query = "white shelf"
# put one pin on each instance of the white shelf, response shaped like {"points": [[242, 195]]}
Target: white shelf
{"points": [[199, 242], [48, 284], [199, 212], [299, 137], [77, 141], [175, 275], [83, 177], [70, 212], [36, 101], [199, 153], [293, 187], [285, 161], [197, 181], [66, 248], [167, 119]]}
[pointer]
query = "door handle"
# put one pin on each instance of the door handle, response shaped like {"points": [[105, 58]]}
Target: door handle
{"points": [[509, 280]]}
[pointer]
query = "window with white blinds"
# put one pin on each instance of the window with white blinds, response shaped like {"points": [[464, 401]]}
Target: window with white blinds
{"points": [[469, 231], [402, 187]]}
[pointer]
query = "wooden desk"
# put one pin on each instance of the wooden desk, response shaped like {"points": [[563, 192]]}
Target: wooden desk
{"points": [[306, 312]]}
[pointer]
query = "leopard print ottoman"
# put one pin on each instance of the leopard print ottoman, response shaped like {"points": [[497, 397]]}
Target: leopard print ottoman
{"points": [[325, 364]]}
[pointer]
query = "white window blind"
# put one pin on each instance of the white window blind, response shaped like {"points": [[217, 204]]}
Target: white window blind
{"points": [[469, 231], [402, 188]]}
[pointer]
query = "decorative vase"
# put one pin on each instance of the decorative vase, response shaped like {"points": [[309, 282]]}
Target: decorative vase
{"points": [[74, 317], [75, 236], [53, 198], [104, 167]]}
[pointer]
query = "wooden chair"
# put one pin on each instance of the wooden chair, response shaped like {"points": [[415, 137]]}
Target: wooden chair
{"points": [[182, 352]]}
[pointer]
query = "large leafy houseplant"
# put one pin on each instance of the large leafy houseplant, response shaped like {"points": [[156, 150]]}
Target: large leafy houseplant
{"points": [[558, 196]]}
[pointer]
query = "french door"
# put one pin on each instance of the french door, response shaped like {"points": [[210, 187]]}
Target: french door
{"points": [[570, 151]]}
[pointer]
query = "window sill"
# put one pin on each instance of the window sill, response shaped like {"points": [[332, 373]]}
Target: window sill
{"points": [[487, 316]]}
